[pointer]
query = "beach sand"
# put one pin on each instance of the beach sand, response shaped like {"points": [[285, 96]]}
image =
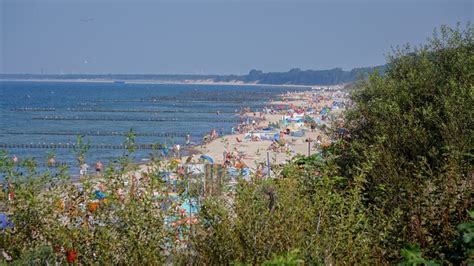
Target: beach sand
{"points": [[255, 152]]}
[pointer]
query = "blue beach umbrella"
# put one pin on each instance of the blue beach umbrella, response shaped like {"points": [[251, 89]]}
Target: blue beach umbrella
{"points": [[208, 158]]}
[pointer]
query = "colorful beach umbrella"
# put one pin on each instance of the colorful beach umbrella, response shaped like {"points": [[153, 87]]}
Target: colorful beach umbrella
{"points": [[207, 158]]}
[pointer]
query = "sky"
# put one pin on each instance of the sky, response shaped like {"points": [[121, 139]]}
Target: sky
{"points": [[210, 36]]}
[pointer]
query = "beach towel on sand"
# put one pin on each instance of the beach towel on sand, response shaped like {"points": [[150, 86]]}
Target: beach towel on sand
{"points": [[100, 195]]}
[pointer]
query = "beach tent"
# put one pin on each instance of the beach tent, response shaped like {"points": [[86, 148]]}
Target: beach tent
{"points": [[207, 158], [293, 119]]}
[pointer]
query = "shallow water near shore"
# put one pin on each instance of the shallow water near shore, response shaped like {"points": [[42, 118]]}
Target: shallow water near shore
{"points": [[37, 117]]}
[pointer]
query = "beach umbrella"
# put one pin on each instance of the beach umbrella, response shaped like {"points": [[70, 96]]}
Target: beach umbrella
{"points": [[207, 158]]}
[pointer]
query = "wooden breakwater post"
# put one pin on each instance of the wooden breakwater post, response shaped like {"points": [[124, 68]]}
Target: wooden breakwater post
{"points": [[268, 164]]}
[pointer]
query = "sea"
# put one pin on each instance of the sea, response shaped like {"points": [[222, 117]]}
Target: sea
{"points": [[38, 118]]}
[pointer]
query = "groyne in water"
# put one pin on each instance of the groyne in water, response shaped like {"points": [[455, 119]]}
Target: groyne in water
{"points": [[102, 133], [51, 146], [59, 118], [97, 110]]}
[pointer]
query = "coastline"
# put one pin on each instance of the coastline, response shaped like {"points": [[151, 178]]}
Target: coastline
{"points": [[172, 82], [253, 154]]}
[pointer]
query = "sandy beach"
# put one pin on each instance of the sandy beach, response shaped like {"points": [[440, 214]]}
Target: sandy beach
{"points": [[255, 152], [323, 104], [249, 149]]}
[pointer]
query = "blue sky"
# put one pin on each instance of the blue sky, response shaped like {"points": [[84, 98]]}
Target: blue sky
{"points": [[212, 37]]}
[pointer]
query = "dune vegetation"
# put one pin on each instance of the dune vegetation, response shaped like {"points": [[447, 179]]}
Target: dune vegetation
{"points": [[396, 189]]}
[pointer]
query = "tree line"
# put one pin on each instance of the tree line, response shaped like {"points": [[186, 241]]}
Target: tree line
{"points": [[292, 77]]}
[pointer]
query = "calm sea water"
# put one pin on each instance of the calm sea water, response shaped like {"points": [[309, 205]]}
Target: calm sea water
{"points": [[56, 112]]}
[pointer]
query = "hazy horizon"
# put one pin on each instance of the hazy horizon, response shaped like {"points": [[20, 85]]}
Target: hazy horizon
{"points": [[209, 37]]}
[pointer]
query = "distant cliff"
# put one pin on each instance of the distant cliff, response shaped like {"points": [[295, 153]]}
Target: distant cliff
{"points": [[294, 77]]}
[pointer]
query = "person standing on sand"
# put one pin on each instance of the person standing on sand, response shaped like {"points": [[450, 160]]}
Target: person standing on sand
{"points": [[318, 141], [188, 139], [165, 151], [83, 170], [213, 134], [11, 192], [51, 161], [178, 148], [98, 168], [174, 150]]}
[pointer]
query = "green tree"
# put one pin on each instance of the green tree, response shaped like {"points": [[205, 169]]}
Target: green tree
{"points": [[414, 127]]}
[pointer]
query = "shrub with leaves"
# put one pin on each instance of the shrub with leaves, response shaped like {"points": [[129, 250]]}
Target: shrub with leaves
{"points": [[414, 128]]}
